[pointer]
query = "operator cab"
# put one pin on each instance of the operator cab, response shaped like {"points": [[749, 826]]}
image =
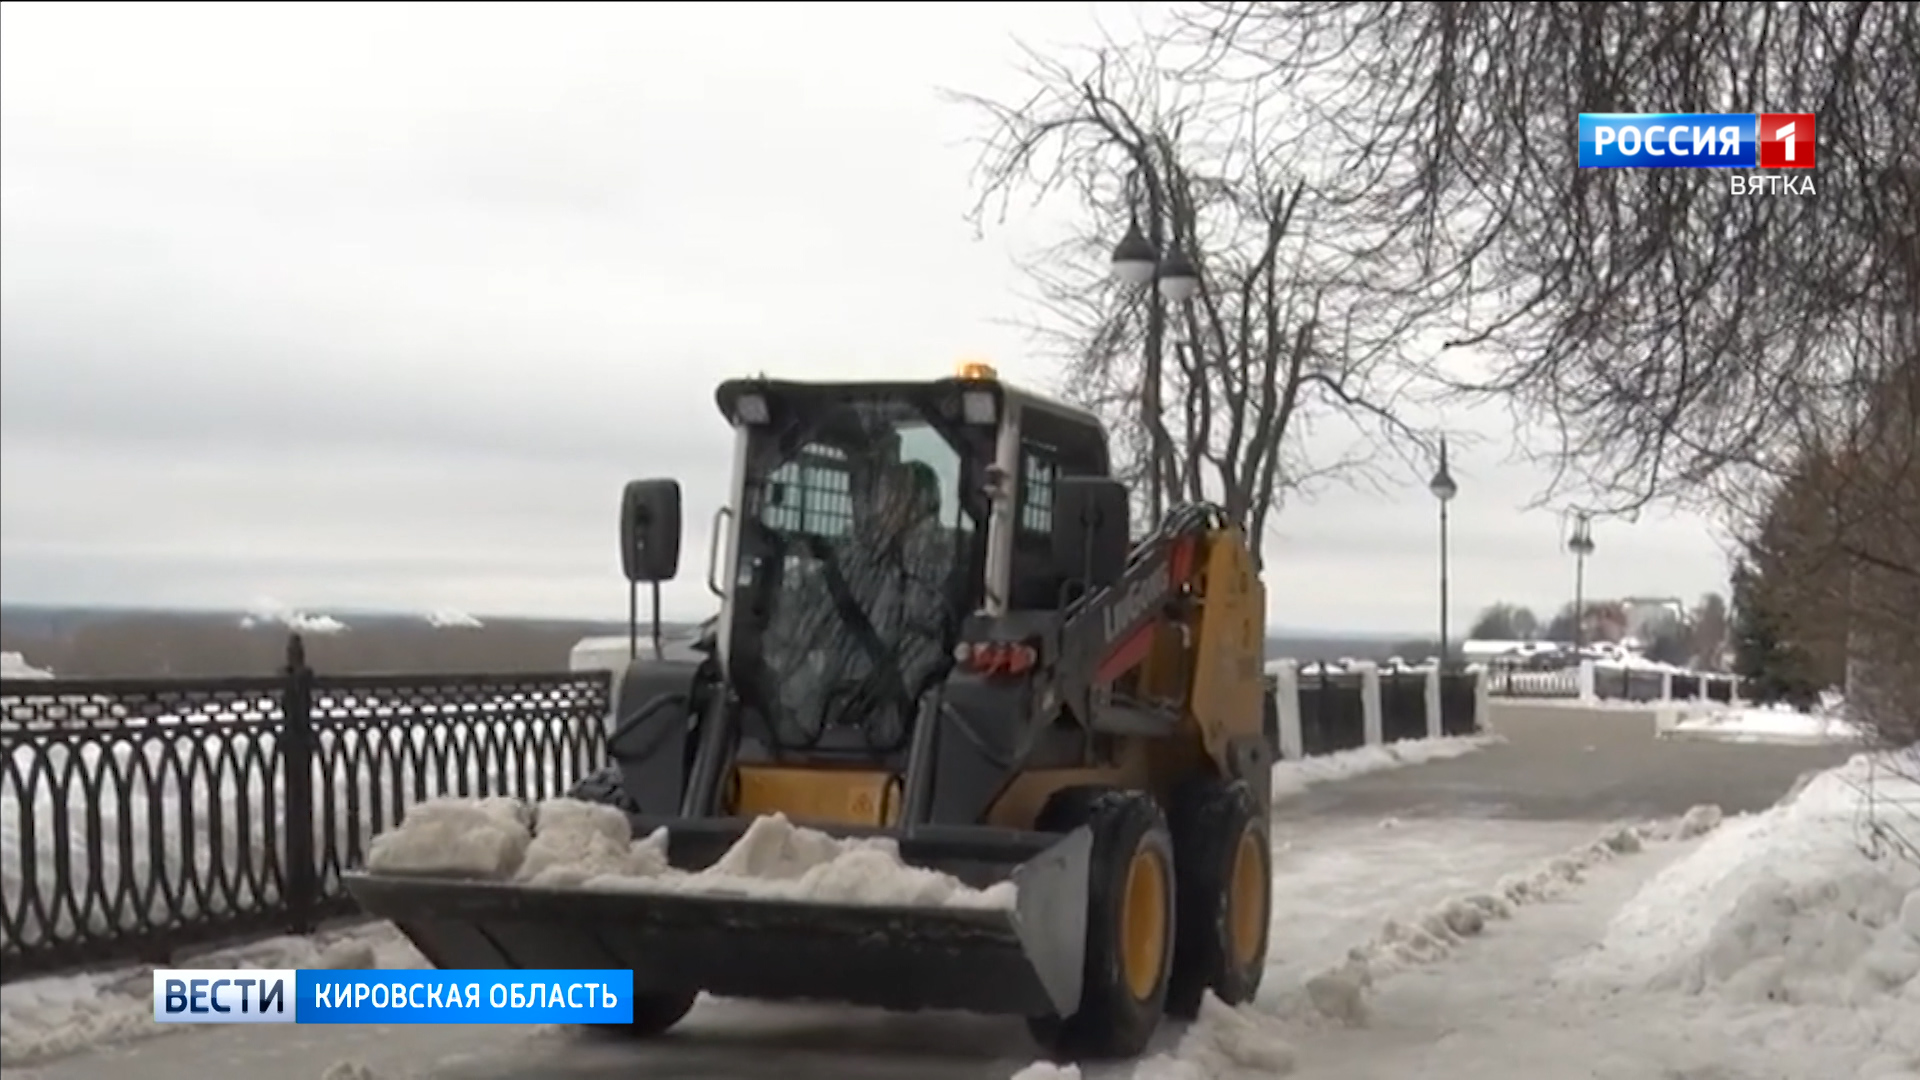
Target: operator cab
{"points": [[872, 519], [868, 522]]}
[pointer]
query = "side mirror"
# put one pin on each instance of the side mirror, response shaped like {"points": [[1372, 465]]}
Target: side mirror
{"points": [[650, 530], [1090, 529]]}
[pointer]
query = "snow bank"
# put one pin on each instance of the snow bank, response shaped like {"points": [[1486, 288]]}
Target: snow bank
{"points": [[1781, 930], [1294, 777], [449, 619], [573, 844], [1764, 724], [51, 1017], [14, 665]]}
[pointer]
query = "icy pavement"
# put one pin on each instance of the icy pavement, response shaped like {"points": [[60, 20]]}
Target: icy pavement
{"points": [[1494, 949], [1335, 882], [1336, 885], [41, 1019], [1773, 950]]}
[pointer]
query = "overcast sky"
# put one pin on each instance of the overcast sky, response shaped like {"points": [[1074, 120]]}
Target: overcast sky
{"points": [[376, 306]]}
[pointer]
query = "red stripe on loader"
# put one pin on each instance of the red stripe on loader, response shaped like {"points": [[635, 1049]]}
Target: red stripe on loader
{"points": [[1127, 655]]}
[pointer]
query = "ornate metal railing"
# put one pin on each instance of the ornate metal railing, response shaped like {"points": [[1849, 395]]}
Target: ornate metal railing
{"points": [[140, 817]]}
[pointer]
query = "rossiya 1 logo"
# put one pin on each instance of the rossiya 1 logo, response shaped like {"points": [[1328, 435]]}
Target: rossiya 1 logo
{"points": [[1706, 141], [1786, 141]]}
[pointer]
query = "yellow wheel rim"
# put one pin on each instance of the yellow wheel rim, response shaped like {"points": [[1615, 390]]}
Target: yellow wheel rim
{"points": [[1247, 899], [1143, 923]]}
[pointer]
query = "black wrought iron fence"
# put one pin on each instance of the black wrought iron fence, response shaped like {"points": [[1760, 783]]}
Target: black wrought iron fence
{"points": [[1459, 703], [145, 816], [1332, 711], [1403, 705]]}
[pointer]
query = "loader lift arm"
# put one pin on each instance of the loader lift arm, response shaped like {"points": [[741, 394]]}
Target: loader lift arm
{"points": [[1109, 630]]}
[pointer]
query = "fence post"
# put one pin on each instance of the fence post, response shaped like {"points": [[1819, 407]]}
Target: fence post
{"points": [[1286, 695], [1370, 712], [296, 749], [1432, 687], [1586, 682], [1666, 685], [1482, 710]]}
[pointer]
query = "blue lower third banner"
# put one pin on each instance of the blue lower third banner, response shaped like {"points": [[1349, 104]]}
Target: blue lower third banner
{"points": [[392, 997]]}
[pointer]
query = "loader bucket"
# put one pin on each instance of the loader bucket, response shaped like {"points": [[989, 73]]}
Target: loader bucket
{"points": [[1023, 960]]}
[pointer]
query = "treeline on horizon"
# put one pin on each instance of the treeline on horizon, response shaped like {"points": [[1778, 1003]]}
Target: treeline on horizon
{"points": [[139, 644], [192, 645]]}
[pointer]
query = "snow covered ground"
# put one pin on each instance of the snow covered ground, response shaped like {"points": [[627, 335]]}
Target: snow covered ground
{"points": [[1773, 950], [1763, 947], [41, 1019], [1294, 777], [1377, 862], [1761, 724]]}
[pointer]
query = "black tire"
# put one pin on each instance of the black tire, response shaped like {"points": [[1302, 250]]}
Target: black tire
{"points": [[604, 786], [653, 1014], [1221, 943], [1115, 1019]]}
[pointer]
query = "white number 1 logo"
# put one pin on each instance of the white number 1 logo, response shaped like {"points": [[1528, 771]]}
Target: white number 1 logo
{"points": [[1785, 135]]}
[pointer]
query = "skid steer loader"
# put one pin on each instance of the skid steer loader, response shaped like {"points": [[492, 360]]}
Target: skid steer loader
{"points": [[935, 626]]}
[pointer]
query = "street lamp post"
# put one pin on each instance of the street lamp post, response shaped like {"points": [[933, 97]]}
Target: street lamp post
{"points": [[1139, 262], [1444, 489], [1580, 542]]}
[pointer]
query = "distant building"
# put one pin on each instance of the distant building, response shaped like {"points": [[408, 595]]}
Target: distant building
{"points": [[1650, 617], [1491, 649]]}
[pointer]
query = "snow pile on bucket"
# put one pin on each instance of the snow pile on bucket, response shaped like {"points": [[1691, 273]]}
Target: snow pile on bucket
{"points": [[484, 838], [576, 842], [565, 843]]}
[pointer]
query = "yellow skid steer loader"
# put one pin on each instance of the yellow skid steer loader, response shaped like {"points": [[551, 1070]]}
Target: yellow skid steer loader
{"points": [[936, 626]]}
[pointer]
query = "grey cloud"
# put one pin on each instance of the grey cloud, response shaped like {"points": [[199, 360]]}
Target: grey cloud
{"points": [[378, 307]]}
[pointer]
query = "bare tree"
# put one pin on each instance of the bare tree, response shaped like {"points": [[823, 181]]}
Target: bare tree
{"points": [[1707, 628], [1665, 331], [1287, 333], [1505, 622]]}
